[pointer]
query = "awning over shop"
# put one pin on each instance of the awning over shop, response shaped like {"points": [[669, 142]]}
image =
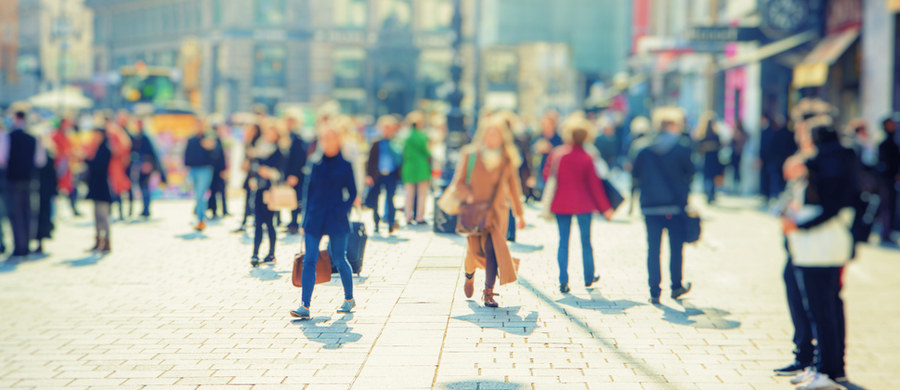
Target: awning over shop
{"points": [[768, 50], [813, 71]]}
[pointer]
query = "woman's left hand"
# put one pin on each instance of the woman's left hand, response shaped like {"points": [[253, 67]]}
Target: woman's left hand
{"points": [[520, 223], [357, 202]]}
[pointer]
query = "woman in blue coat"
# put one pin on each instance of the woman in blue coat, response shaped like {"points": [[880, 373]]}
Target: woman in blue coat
{"points": [[329, 192]]}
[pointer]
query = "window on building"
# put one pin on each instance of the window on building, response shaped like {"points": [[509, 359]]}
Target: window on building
{"points": [[349, 68], [395, 12], [269, 65], [434, 15], [350, 13], [270, 13]]}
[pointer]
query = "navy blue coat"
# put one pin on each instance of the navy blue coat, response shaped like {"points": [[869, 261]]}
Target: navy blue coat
{"points": [[195, 155], [328, 192], [664, 171], [98, 174]]}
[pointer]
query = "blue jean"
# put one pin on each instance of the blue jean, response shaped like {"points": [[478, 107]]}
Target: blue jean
{"points": [[338, 253], [587, 252], [201, 178], [674, 224], [389, 183]]}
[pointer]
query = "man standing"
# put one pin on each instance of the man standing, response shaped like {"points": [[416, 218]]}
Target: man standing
{"points": [[198, 158], [663, 171], [383, 172], [24, 159], [296, 162], [888, 170]]}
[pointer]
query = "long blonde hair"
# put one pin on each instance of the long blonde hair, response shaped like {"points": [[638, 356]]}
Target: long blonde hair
{"points": [[509, 144]]}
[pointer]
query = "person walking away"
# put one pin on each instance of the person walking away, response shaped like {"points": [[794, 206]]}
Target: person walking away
{"points": [[544, 144], [99, 191], [487, 172], [663, 172], [888, 169], [296, 162], [579, 193], [738, 143], [269, 161], [198, 158], [416, 169], [145, 163], [831, 189], [329, 193], [866, 206], [527, 174], [25, 157], [708, 145], [252, 134], [47, 191], [120, 145], [220, 173], [65, 162], [383, 172], [607, 143]]}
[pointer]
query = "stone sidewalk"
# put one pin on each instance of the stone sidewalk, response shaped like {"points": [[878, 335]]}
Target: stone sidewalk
{"points": [[172, 309]]}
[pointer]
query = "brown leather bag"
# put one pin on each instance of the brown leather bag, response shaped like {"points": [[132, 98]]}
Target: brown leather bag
{"points": [[472, 218], [323, 269]]}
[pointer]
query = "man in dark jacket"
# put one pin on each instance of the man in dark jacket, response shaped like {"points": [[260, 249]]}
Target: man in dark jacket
{"points": [[776, 145], [144, 163], [383, 172], [25, 157], [296, 161], [198, 158], [888, 170], [663, 172]]}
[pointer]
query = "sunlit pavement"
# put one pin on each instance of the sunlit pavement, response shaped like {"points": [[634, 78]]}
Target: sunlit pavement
{"points": [[173, 309]]}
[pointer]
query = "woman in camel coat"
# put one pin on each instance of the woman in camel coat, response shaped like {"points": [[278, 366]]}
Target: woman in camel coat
{"points": [[496, 169]]}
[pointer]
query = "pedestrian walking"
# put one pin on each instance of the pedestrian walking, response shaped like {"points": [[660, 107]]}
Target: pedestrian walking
{"points": [[545, 143], [120, 145], [66, 160], [888, 169], [383, 172], [776, 145], [145, 163], [269, 162], [416, 169], [47, 191], [252, 134], [329, 194], [199, 159], [4, 190], [487, 173], [663, 172], [708, 144], [579, 193], [296, 162], [607, 142], [220, 173], [866, 206], [24, 158], [738, 143], [99, 191]]}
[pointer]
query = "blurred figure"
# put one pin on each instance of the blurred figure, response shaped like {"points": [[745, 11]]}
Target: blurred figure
{"points": [[776, 145], [663, 171], [252, 134], [738, 143], [383, 172], [120, 144], [416, 169], [66, 159], [888, 169], [607, 143], [269, 161], [579, 193], [199, 159], [220, 173], [329, 193], [4, 190], [544, 144], [24, 158], [708, 144], [47, 191], [98, 163], [296, 162], [487, 172], [866, 206], [527, 175], [145, 162]]}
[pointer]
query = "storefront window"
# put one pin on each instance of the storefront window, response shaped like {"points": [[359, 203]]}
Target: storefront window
{"points": [[350, 13], [269, 66], [270, 13]]}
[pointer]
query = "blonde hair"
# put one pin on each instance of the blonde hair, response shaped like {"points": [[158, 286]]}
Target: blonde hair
{"points": [[509, 145], [386, 120], [414, 117], [576, 122]]}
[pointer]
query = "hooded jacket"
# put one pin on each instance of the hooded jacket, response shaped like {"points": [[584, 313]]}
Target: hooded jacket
{"points": [[663, 171]]}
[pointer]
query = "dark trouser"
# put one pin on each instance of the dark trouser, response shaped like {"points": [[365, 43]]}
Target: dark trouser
{"points": [[338, 253], [263, 216], [73, 198], [888, 208], [736, 170], [389, 184], [490, 264], [19, 209], [864, 218], [821, 289], [248, 206], [803, 347], [144, 184], [217, 191], [674, 224], [295, 213], [776, 180], [709, 188]]}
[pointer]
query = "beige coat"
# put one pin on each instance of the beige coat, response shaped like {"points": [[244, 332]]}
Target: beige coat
{"points": [[509, 193]]}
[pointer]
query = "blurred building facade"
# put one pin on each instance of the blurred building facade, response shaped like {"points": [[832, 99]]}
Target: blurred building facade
{"points": [[44, 44]]}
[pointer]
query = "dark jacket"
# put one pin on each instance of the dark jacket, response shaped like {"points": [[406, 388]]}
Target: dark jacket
{"points": [[832, 181], [776, 146], [98, 174], [273, 161], [296, 160], [143, 152], [328, 193], [664, 171], [195, 155], [22, 147], [708, 148], [375, 157], [888, 159]]}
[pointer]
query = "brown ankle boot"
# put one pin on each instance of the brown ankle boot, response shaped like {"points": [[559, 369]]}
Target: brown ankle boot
{"points": [[469, 286], [489, 298], [96, 245], [104, 245]]}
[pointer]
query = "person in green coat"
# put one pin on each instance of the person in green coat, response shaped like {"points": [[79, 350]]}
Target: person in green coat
{"points": [[416, 169]]}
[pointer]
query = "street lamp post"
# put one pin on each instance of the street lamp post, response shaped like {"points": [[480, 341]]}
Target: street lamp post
{"points": [[456, 127]]}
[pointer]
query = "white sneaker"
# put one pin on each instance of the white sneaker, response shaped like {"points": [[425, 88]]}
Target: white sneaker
{"points": [[821, 382], [804, 377]]}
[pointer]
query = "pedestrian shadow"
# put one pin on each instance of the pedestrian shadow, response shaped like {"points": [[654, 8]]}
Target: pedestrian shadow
{"points": [[853, 386], [265, 274], [336, 280], [88, 260], [9, 265], [524, 248], [506, 319], [388, 240], [333, 336], [703, 318], [599, 303], [246, 239], [482, 385], [192, 236], [288, 239]]}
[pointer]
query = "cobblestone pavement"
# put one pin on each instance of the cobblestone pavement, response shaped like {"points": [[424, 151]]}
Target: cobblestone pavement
{"points": [[172, 309]]}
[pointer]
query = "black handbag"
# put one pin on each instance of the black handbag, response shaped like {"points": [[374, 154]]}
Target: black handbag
{"points": [[615, 197]]}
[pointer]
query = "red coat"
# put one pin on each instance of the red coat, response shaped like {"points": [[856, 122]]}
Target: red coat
{"points": [[64, 155], [120, 144], [578, 188]]}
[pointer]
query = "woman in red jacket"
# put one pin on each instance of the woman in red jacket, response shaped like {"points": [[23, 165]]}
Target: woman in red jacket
{"points": [[579, 193]]}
